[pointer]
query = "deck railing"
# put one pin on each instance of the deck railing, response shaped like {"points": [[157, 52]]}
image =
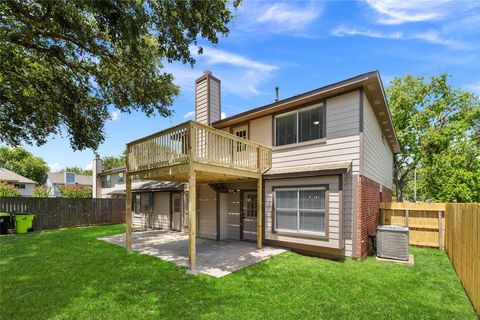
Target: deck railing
{"points": [[192, 141]]}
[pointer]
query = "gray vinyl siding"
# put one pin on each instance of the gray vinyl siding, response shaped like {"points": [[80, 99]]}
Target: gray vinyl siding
{"points": [[342, 138], [207, 212], [233, 218], [377, 155], [156, 217], [335, 238], [201, 111]]}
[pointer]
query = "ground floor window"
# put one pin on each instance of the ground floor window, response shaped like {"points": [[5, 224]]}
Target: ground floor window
{"points": [[300, 210]]}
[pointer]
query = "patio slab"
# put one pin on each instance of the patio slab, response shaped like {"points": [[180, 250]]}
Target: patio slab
{"points": [[215, 258]]}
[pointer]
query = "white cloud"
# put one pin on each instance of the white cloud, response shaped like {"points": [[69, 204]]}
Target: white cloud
{"points": [[215, 56], [189, 114], [288, 17], [54, 167], [223, 115], [436, 38], [89, 166], [428, 36], [115, 115], [240, 75], [346, 31], [292, 18], [404, 11]]}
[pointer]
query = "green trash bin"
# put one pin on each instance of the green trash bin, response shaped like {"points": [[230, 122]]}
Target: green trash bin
{"points": [[24, 222]]}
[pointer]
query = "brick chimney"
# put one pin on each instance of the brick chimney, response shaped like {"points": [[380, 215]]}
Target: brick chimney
{"points": [[207, 99]]}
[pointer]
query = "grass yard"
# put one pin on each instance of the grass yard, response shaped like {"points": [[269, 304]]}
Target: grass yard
{"points": [[68, 274]]}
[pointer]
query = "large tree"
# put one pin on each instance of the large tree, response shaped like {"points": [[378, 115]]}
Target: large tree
{"points": [[433, 122], [23, 162], [76, 170], [63, 62], [110, 162]]}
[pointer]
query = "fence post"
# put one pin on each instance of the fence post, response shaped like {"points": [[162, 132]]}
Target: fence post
{"points": [[440, 230], [407, 216]]}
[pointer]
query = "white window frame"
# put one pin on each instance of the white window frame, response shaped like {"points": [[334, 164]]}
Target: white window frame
{"points": [[244, 134], [324, 122], [122, 174], [298, 231]]}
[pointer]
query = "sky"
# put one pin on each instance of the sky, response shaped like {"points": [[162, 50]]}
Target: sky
{"points": [[300, 46]]}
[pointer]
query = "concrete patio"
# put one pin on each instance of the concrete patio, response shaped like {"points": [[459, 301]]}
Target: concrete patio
{"points": [[215, 258]]}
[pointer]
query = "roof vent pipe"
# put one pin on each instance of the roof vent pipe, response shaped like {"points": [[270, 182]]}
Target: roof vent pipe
{"points": [[276, 93]]}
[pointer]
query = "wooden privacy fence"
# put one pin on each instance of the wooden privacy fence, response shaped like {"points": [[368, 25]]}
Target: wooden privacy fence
{"points": [[54, 213], [425, 220], [454, 227], [462, 244]]}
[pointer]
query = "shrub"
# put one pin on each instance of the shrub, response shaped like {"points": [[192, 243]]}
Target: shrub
{"points": [[75, 191], [41, 192], [7, 190]]}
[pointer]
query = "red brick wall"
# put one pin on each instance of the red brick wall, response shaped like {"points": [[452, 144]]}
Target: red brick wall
{"points": [[369, 198]]}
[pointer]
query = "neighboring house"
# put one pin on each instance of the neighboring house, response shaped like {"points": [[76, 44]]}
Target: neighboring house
{"points": [[24, 185], [156, 204], [54, 180], [322, 160]]}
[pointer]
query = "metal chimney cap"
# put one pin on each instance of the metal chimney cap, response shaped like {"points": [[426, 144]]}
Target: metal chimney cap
{"points": [[207, 72]]}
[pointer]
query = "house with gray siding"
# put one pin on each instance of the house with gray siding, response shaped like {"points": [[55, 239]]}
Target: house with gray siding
{"points": [[324, 160]]}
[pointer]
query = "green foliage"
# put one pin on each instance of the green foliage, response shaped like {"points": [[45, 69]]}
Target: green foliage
{"points": [[434, 123], [8, 190], [110, 162], [105, 281], [75, 191], [62, 63], [22, 162], [77, 170], [41, 191]]}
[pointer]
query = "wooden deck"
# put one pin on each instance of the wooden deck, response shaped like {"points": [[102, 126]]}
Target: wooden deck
{"points": [[217, 155], [195, 153]]}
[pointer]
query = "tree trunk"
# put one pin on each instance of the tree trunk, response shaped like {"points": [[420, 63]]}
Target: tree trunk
{"points": [[399, 189]]}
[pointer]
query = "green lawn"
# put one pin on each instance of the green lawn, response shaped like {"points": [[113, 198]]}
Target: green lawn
{"points": [[68, 274]]}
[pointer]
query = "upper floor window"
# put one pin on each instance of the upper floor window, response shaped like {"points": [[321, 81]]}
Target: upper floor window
{"points": [[301, 125], [106, 181], [69, 178], [241, 134], [121, 177]]}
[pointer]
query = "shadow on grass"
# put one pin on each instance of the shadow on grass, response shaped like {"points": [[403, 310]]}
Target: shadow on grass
{"points": [[69, 274]]}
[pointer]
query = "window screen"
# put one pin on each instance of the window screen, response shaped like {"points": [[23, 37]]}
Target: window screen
{"points": [[300, 210], [286, 129]]}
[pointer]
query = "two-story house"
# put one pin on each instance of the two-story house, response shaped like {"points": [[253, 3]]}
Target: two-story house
{"points": [[55, 180], [307, 172]]}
